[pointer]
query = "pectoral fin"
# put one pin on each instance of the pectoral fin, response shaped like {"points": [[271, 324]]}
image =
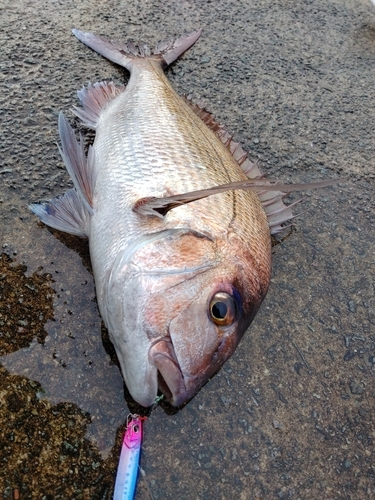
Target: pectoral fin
{"points": [[159, 207]]}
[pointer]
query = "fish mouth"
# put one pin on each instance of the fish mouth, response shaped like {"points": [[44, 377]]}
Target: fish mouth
{"points": [[170, 378], [177, 387]]}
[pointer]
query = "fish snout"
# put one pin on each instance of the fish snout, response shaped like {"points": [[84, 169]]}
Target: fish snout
{"points": [[170, 378], [177, 383]]}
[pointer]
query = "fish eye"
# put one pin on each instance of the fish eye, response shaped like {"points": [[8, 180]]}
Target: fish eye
{"points": [[223, 309]]}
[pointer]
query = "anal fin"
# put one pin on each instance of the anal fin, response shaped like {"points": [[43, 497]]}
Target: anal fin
{"points": [[93, 99]]}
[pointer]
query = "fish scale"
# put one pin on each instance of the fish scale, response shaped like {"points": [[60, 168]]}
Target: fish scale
{"points": [[131, 164]]}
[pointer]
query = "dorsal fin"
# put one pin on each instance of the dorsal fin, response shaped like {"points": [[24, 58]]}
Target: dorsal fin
{"points": [[271, 200], [239, 154]]}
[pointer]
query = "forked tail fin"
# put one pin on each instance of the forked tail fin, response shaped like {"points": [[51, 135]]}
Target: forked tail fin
{"points": [[125, 54]]}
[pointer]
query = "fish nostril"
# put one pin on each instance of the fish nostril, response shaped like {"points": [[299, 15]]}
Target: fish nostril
{"points": [[216, 356]]}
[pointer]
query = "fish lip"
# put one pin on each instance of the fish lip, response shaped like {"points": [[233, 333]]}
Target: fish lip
{"points": [[171, 379]]}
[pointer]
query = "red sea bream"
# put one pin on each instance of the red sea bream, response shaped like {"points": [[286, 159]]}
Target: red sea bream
{"points": [[179, 236]]}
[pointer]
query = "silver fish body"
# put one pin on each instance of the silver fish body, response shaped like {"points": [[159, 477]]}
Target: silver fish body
{"points": [[176, 291], [148, 271]]}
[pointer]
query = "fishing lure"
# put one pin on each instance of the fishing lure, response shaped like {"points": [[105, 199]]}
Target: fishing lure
{"points": [[127, 471]]}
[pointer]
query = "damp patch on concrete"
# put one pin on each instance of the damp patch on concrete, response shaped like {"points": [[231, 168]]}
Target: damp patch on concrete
{"points": [[26, 303]]}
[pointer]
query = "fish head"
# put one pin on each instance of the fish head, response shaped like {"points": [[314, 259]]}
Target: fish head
{"points": [[176, 308]]}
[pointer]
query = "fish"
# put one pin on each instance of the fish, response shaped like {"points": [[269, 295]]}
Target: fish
{"points": [[179, 222], [127, 471]]}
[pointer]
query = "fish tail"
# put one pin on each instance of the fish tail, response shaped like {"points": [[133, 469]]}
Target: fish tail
{"points": [[125, 54]]}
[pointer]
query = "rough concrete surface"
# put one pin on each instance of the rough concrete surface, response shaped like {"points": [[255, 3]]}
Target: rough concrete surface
{"points": [[291, 415]]}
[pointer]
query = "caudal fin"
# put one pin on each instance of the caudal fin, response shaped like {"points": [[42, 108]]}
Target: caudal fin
{"points": [[124, 54]]}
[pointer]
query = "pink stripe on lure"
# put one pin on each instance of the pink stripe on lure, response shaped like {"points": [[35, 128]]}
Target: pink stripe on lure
{"points": [[127, 471]]}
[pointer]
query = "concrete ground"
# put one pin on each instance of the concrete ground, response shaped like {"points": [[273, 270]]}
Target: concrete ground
{"points": [[291, 415]]}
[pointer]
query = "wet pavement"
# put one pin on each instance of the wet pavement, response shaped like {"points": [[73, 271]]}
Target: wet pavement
{"points": [[291, 415]]}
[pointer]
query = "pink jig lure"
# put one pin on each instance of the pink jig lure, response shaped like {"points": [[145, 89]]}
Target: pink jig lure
{"points": [[127, 472]]}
